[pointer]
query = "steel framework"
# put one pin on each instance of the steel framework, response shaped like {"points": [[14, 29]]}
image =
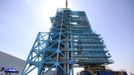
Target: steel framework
{"points": [[71, 42]]}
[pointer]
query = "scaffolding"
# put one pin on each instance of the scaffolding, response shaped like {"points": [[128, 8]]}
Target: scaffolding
{"points": [[70, 43]]}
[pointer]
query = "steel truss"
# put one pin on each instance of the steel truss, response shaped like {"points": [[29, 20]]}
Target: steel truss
{"points": [[70, 41]]}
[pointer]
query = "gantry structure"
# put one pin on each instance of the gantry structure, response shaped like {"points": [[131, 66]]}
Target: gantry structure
{"points": [[70, 43]]}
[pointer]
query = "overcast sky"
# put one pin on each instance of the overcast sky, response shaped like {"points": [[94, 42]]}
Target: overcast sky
{"points": [[21, 20]]}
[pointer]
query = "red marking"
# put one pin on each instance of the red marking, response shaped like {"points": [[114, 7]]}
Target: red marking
{"points": [[131, 73]]}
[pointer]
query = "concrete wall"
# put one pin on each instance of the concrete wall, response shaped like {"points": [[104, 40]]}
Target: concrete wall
{"points": [[7, 61]]}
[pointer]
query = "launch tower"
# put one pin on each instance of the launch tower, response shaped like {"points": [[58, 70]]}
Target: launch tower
{"points": [[70, 43]]}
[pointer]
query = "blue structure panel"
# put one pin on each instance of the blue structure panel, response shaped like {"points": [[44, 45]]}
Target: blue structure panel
{"points": [[105, 73]]}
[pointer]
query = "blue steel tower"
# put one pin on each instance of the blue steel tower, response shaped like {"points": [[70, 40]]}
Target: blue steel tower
{"points": [[70, 43]]}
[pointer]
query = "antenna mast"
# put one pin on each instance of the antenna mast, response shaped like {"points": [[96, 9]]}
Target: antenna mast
{"points": [[66, 4]]}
